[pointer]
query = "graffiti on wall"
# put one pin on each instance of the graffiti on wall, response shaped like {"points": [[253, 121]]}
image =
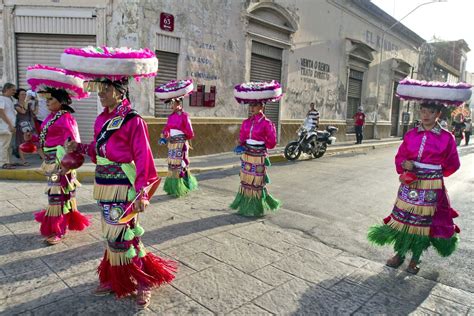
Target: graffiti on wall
{"points": [[329, 99]]}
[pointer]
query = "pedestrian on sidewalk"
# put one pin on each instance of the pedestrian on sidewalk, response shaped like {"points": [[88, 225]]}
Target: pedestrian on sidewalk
{"points": [[177, 132], [24, 122], [125, 175], [257, 135], [467, 130], [62, 213], [7, 125], [422, 215], [313, 116], [458, 128], [359, 121]]}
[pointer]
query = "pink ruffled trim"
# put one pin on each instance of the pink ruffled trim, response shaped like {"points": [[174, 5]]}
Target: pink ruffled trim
{"points": [[249, 101], [89, 77], [111, 52], [174, 85], [60, 70], [445, 102], [258, 86], [73, 91]]}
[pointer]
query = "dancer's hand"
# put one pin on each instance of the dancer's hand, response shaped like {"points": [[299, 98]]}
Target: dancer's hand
{"points": [[141, 204], [408, 165], [162, 141], [70, 146], [239, 149]]}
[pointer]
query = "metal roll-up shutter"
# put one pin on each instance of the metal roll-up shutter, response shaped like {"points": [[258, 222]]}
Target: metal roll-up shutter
{"points": [[354, 92], [167, 70], [263, 68], [46, 49]]}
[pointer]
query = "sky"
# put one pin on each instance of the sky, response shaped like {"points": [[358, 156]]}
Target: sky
{"points": [[450, 20]]}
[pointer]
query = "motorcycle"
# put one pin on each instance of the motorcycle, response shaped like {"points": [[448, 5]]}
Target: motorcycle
{"points": [[310, 141]]}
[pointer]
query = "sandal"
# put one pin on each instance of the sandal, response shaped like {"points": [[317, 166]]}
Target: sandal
{"points": [[143, 298], [413, 267], [395, 261], [53, 240], [8, 166], [102, 290]]}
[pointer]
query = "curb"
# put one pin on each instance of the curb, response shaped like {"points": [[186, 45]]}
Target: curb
{"points": [[88, 176]]}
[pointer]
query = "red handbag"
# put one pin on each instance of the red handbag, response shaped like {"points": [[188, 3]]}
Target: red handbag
{"points": [[408, 177]]}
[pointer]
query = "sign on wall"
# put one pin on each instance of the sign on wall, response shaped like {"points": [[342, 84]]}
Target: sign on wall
{"points": [[167, 22]]}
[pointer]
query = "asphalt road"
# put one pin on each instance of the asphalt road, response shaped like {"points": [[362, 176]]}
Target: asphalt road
{"points": [[335, 199]]}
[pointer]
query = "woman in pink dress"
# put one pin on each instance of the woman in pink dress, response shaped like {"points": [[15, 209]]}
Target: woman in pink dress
{"points": [[177, 132], [422, 215], [59, 126], [125, 174], [257, 135]]}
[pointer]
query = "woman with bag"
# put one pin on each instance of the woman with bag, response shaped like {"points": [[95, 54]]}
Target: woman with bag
{"points": [[24, 122]]}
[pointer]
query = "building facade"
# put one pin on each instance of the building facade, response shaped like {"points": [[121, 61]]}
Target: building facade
{"points": [[324, 51]]}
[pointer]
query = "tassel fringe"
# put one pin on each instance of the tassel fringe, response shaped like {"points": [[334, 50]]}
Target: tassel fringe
{"points": [[403, 242], [112, 232], [78, 221], [427, 184], [125, 278], [110, 192], [253, 206], [179, 187], [415, 230], [415, 209]]}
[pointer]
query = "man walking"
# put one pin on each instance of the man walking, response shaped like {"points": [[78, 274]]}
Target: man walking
{"points": [[359, 121], [7, 124]]}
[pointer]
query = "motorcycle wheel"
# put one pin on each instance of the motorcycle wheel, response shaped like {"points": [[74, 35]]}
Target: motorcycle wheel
{"points": [[292, 151], [321, 152]]}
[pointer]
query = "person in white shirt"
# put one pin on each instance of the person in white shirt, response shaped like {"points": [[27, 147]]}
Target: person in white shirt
{"points": [[313, 116], [7, 124]]}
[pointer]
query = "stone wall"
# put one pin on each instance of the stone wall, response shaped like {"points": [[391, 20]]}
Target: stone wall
{"points": [[215, 136]]}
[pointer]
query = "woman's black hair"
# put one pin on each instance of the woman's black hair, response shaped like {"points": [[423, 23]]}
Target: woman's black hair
{"points": [[63, 97], [17, 93], [432, 106]]}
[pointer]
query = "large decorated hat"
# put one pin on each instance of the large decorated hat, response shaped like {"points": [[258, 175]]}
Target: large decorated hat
{"points": [[174, 89], [98, 63], [253, 92], [433, 91], [43, 78]]}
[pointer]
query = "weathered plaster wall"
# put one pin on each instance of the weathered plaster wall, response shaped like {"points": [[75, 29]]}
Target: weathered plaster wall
{"points": [[212, 46], [320, 43]]}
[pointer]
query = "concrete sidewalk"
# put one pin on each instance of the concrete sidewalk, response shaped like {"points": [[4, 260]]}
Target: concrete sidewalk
{"points": [[199, 164], [228, 265]]}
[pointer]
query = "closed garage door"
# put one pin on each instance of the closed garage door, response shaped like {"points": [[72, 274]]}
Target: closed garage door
{"points": [[167, 70], [46, 49], [266, 65]]}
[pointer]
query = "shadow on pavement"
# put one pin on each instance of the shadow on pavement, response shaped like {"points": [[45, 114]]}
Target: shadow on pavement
{"points": [[27, 216], [63, 260], [390, 292], [75, 301], [20, 243]]}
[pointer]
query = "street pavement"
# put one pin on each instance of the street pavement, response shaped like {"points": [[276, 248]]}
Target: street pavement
{"points": [[310, 258], [200, 164]]}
